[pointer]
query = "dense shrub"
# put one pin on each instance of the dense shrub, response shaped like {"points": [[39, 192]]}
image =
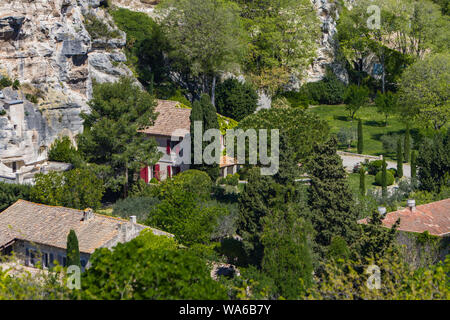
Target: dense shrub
{"points": [[98, 29], [297, 99], [231, 180], [62, 150], [374, 166], [329, 90], [195, 181], [10, 193], [235, 99], [139, 207], [389, 178], [5, 82]]}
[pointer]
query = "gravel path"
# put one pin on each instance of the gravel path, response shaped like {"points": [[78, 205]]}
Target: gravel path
{"points": [[349, 161]]}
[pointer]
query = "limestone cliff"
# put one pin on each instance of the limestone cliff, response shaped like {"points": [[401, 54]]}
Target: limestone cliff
{"points": [[55, 48]]}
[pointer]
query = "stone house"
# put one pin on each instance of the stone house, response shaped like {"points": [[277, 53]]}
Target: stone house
{"points": [[171, 127], [424, 230], [38, 233]]}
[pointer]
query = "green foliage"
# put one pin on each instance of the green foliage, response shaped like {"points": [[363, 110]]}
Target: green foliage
{"points": [[329, 196], [189, 26], [145, 268], [345, 137], [407, 144], [78, 188], [235, 99], [135, 206], [389, 178], [62, 150], [301, 128], [329, 90], [338, 249], [399, 159], [194, 181], [10, 193], [413, 164], [16, 84], [424, 92], [433, 162], [360, 137], [275, 30], [230, 179], [73, 251], [145, 48], [205, 112], [347, 280], [386, 104], [362, 181], [355, 97], [5, 82], [287, 257], [98, 29], [190, 220], [111, 139], [32, 98]]}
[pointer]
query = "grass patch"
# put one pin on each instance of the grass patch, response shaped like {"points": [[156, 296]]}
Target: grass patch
{"points": [[373, 126], [353, 181]]}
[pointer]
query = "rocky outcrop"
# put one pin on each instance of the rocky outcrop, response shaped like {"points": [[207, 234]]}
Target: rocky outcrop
{"points": [[45, 44]]}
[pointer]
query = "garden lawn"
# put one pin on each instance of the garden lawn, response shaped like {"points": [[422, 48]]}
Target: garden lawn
{"points": [[373, 126], [353, 182]]}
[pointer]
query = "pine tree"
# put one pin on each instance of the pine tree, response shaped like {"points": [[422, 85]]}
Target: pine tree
{"points": [[399, 159], [413, 164], [360, 137], [362, 181], [407, 144], [288, 169], [329, 197], [384, 179], [73, 252]]}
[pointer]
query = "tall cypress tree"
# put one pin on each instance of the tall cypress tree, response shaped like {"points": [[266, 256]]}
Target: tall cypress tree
{"points": [[362, 181], [399, 159], [329, 197], [413, 164], [73, 252], [204, 111], [407, 144], [360, 137], [384, 179]]}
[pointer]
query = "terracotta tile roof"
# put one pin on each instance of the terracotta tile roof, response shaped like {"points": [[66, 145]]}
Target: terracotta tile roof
{"points": [[170, 118], [50, 225], [432, 217], [226, 161]]}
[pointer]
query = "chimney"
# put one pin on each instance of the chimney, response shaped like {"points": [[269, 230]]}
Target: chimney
{"points": [[411, 203], [382, 210], [88, 214], [133, 219]]}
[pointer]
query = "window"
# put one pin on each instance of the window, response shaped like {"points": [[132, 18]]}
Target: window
{"points": [[14, 166], [168, 147]]}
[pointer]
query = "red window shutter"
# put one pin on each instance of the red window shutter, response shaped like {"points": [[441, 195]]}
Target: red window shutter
{"points": [[168, 147], [156, 172], [144, 174], [169, 171]]}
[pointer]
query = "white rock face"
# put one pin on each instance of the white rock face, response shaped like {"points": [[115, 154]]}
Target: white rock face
{"points": [[45, 45], [328, 43]]}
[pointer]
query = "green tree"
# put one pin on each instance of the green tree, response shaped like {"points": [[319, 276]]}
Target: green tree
{"points": [[205, 35], [386, 104], [282, 40], [148, 267], [424, 91], [384, 179], [399, 159], [204, 112], [433, 162], [235, 99], [11, 192], [112, 139], [287, 256], [360, 137], [362, 181], [329, 196], [413, 164], [73, 252], [63, 150], [78, 188], [407, 144], [355, 97]]}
